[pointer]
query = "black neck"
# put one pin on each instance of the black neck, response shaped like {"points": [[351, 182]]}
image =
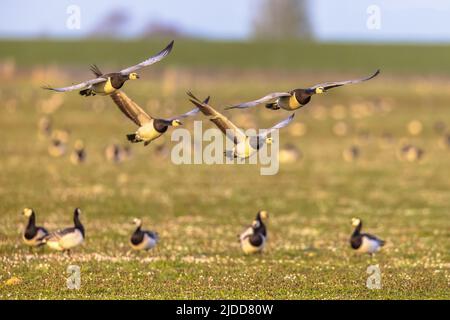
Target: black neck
{"points": [[357, 229], [32, 220], [77, 223]]}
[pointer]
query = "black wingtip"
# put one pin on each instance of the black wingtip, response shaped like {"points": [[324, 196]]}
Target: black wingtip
{"points": [[376, 73], [169, 46], [206, 101], [190, 94]]}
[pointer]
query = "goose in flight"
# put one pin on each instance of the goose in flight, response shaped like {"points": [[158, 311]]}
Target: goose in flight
{"points": [[149, 128], [244, 146], [105, 84], [297, 98]]}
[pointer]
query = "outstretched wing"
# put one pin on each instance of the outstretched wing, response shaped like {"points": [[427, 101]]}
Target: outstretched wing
{"points": [[193, 112], [330, 85], [279, 125], [264, 99], [158, 57], [223, 123], [82, 85], [130, 108]]}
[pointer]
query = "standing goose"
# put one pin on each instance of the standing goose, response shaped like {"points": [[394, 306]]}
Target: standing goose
{"points": [[143, 239], [261, 216], [66, 239], [33, 234], [106, 84], [297, 98], [253, 240], [149, 128], [244, 146], [364, 242]]}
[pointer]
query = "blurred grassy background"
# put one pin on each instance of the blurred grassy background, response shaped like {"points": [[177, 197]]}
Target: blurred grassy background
{"points": [[198, 209], [283, 54]]}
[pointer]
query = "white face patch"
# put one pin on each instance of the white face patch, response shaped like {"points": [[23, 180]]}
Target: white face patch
{"points": [[264, 214], [355, 222], [27, 212]]}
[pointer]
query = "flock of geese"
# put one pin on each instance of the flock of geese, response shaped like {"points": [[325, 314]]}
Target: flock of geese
{"points": [[254, 238]]}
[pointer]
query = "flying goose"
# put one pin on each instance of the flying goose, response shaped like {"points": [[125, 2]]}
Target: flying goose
{"points": [[364, 242], [33, 234], [253, 240], [143, 239], [106, 84], [297, 98], [149, 128], [244, 146], [66, 239]]}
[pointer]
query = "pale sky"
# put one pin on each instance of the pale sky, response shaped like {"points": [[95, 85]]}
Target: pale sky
{"points": [[332, 20]]}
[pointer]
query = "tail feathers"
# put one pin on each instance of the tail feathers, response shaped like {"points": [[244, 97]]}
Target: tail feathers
{"points": [[272, 106], [154, 235], [133, 138], [87, 92], [382, 242]]}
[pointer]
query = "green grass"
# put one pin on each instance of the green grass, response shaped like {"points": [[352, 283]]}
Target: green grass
{"points": [[288, 55], [198, 209]]}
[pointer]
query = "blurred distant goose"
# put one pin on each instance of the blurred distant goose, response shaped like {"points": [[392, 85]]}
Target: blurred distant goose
{"points": [[33, 234], [45, 127], [106, 84], [253, 239], [143, 239], [56, 148], [364, 242], [244, 146], [149, 128], [289, 154], [297, 98], [410, 153], [116, 153], [66, 239], [78, 155], [351, 154]]}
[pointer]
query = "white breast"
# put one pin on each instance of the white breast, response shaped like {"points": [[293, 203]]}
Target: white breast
{"points": [[147, 132], [72, 239], [35, 241], [54, 245], [368, 246], [146, 244], [246, 233], [243, 149], [67, 241], [248, 248]]}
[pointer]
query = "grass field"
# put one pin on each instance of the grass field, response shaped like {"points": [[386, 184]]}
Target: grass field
{"points": [[198, 209]]}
